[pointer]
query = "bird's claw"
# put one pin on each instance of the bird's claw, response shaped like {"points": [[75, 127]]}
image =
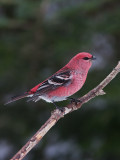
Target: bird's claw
{"points": [[61, 109], [76, 101]]}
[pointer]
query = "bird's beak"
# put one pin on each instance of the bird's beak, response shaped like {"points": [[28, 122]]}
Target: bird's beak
{"points": [[93, 58]]}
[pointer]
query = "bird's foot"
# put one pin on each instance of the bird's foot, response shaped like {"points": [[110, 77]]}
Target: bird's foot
{"points": [[57, 107], [73, 100]]}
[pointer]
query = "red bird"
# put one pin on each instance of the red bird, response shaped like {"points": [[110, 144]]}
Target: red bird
{"points": [[64, 83]]}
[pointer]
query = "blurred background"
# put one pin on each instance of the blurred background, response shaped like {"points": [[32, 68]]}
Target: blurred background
{"points": [[38, 37]]}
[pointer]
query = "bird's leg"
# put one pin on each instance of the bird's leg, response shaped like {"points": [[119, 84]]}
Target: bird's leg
{"points": [[57, 107], [73, 100]]}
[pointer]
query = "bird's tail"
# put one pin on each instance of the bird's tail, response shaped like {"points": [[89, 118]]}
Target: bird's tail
{"points": [[15, 98]]}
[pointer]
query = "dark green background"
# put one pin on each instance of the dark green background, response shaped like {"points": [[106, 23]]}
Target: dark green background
{"points": [[36, 39]]}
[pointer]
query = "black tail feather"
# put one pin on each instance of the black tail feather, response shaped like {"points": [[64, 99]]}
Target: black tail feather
{"points": [[15, 98]]}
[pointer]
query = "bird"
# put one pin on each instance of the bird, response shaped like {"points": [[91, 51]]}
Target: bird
{"points": [[62, 84]]}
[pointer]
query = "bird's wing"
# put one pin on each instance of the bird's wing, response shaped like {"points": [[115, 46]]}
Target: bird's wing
{"points": [[59, 79], [62, 78]]}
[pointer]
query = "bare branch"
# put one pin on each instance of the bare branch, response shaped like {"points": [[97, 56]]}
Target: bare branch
{"points": [[57, 114]]}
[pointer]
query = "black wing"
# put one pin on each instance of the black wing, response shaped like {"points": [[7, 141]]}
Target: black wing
{"points": [[55, 81], [60, 79]]}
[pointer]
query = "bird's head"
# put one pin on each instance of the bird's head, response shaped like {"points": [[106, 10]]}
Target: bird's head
{"points": [[82, 61]]}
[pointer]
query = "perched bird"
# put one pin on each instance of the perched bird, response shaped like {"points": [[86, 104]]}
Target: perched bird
{"points": [[64, 83]]}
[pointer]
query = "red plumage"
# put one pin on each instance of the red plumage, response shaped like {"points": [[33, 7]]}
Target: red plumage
{"points": [[63, 83]]}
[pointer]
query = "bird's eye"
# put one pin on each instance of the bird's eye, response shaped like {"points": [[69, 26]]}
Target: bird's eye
{"points": [[85, 58]]}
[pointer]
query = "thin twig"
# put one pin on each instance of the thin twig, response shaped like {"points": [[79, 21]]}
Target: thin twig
{"points": [[57, 114]]}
